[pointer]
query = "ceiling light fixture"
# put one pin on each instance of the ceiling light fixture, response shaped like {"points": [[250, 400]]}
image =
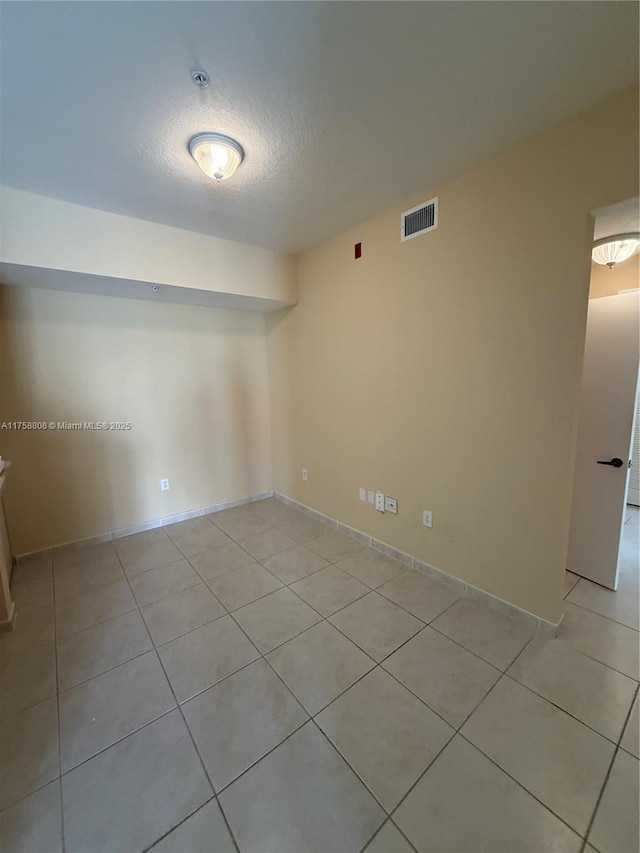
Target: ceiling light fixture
{"points": [[610, 251], [218, 156]]}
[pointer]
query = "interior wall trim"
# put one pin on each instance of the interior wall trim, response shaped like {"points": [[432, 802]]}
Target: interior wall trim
{"points": [[466, 590]]}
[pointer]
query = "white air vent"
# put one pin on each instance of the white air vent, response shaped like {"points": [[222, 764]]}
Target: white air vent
{"points": [[419, 219]]}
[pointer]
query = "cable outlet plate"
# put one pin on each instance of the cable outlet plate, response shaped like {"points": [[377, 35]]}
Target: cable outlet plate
{"points": [[391, 505], [379, 501]]}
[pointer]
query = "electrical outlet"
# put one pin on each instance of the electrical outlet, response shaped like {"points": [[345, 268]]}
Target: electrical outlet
{"points": [[371, 498], [305, 474], [380, 501], [427, 518], [363, 495], [164, 485], [391, 505]]}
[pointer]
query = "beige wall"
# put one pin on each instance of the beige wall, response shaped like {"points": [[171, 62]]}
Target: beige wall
{"points": [[444, 371], [609, 282], [192, 381], [43, 232]]}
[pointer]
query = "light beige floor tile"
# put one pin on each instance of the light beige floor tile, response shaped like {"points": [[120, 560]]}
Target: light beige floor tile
{"points": [[200, 536], [265, 545], [30, 594], [78, 579], [28, 751], [33, 627], [145, 557], [279, 805], [387, 735], [181, 530], [632, 732], [36, 567], [376, 625], [203, 832], [180, 613], [94, 650], [27, 679], [570, 580], [492, 636], [318, 665], [447, 677], [133, 793], [616, 828], [585, 688], [622, 606], [294, 564], [329, 590], [276, 618], [34, 825], [276, 512], [220, 561], [371, 567], [465, 804], [163, 581], [232, 513], [205, 656], [111, 706], [420, 595], [244, 585], [334, 546], [240, 719], [302, 529], [93, 606], [601, 638], [139, 540], [559, 760], [389, 840], [88, 557], [241, 528]]}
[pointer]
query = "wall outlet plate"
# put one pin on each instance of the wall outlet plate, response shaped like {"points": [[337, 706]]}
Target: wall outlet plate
{"points": [[371, 498], [363, 495], [427, 518], [305, 474], [391, 505], [380, 501], [164, 485]]}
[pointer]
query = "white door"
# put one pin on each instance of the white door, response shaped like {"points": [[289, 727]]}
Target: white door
{"points": [[609, 382], [633, 494]]}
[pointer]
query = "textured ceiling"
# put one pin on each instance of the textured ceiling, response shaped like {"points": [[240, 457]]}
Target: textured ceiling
{"points": [[344, 109]]}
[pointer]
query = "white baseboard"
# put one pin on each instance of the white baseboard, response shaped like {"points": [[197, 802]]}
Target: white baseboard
{"points": [[543, 626], [145, 525]]}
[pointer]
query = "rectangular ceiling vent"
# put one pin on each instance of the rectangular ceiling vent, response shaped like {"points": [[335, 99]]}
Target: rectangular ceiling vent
{"points": [[419, 220]]}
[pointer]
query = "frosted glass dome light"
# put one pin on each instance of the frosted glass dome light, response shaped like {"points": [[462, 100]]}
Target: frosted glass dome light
{"points": [[613, 250], [218, 156]]}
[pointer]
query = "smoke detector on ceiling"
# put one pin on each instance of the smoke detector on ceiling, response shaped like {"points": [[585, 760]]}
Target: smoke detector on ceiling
{"points": [[200, 78]]}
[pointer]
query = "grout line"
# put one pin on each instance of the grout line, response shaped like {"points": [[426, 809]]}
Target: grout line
{"points": [[379, 830], [184, 722], [520, 785], [263, 656], [184, 820], [55, 661], [608, 774], [601, 615]]}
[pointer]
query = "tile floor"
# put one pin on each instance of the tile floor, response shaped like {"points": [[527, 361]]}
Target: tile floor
{"points": [[253, 681]]}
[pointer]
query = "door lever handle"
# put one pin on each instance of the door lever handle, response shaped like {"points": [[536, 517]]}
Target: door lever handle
{"points": [[616, 462]]}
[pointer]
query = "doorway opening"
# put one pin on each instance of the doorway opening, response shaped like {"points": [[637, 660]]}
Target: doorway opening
{"points": [[603, 572]]}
